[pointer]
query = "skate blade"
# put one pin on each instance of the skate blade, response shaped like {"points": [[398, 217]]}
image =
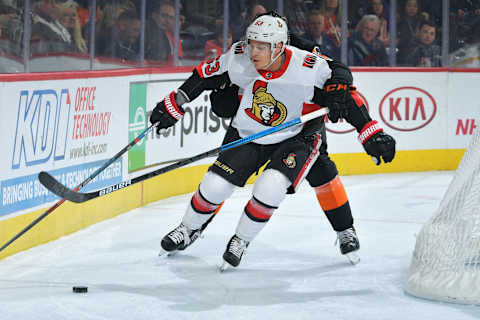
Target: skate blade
{"points": [[225, 265], [353, 257], [165, 253]]}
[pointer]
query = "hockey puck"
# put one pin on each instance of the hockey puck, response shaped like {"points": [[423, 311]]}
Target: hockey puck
{"points": [[80, 289]]}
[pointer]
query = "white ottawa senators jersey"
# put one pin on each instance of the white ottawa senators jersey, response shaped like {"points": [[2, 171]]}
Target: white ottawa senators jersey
{"points": [[270, 98]]}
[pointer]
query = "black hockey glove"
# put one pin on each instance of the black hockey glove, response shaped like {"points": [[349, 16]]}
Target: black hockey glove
{"points": [[337, 90], [225, 101], [167, 112], [336, 94], [376, 143]]}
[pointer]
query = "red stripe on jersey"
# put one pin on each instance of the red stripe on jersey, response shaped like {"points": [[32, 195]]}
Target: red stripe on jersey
{"points": [[310, 161], [201, 205], [310, 107], [259, 211]]}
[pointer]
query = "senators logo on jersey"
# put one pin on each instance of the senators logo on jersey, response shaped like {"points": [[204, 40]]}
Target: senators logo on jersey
{"points": [[290, 161], [265, 108]]}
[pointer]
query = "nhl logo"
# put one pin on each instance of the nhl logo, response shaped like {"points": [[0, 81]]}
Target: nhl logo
{"points": [[290, 161], [269, 75]]}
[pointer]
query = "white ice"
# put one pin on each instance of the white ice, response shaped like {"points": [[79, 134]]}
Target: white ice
{"points": [[291, 271]]}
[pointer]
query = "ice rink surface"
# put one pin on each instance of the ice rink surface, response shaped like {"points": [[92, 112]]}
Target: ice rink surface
{"points": [[292, 270]]}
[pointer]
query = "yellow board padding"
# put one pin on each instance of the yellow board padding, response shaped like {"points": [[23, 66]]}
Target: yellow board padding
{"points": [[173, 183], [71, 217], [66, 219], [404, 161]]}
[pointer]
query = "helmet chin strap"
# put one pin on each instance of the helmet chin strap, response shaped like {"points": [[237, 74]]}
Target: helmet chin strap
{"points": [[272, 59]]}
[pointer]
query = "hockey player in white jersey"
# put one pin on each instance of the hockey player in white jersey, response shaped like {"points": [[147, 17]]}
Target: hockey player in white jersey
{"points": [[323, 177], [278, 81]]}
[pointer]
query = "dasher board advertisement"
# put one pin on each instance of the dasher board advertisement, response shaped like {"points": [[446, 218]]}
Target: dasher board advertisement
{"points": [[68, 128]]}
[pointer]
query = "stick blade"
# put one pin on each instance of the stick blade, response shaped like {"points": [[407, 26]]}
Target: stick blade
{"points": [[59, 189]]}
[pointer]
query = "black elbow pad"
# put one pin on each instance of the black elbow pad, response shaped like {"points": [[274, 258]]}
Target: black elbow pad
{"points": [[340, 72], [225, 102], [195, 84]]}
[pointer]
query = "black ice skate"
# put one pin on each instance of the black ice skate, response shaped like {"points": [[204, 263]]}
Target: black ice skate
{"points": [[179, 239], [234, 252], [349, 244]]}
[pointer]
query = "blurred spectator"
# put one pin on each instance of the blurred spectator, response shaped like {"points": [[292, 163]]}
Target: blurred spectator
{"points": [[356, 10], [465, 7], [238, 32], [425, 52], [83, 12], [214, 47], [11, 28], [408, 25], [256, 10], [378, 8], [68, 17], [201, 13], [364, 49], [468, 56], [159, 39], [157, 45], [296, 14], [126, 40], [332, 11], [48, 34], [316, 23], [237, 14], [110, 12], [464, 14], [434, 10]]}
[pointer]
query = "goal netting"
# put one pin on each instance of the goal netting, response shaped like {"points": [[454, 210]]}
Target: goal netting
{"points": [[446, 260]]}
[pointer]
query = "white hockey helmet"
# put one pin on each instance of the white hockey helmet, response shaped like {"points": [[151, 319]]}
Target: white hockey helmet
{"points": [[270, 29]]}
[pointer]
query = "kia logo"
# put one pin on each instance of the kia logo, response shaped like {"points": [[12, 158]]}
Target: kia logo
{"points": [[342, 126], [407, 108]]}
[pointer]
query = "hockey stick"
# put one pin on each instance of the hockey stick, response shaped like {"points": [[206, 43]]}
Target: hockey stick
{"points": [[60, 190], [81, 185]]}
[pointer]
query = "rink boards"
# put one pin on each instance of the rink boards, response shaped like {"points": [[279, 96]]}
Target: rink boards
{"points": [[69, 124]]}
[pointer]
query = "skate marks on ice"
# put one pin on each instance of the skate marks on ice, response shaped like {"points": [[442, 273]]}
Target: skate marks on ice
{"points": [[197, 284]]}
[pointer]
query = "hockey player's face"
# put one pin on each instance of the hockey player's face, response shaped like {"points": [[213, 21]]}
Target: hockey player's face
{"points": [[260, 53]]}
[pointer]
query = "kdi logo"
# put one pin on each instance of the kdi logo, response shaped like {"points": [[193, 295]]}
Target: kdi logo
{"points": [[42, 127]]}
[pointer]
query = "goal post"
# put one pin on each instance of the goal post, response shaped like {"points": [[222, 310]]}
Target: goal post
{"points": [[446, 261]]}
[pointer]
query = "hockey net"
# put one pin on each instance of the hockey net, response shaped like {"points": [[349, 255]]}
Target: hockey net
{"points": [[446, 260]]}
